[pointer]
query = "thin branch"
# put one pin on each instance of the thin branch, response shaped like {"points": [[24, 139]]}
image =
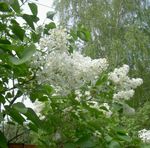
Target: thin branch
{"points": [[11, 102], [16, 96], [16, 85], [34, 1], [15, 137], [23, 3]]}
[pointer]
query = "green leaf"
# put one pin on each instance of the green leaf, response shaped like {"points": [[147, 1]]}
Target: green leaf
{"points": [[70, 145], [31, 115], [33, 127], [117, 107], [2, 26], [145, 145], [1, 117], [41, 93], [50, 15], [44, 143], [9, 95], [73, 34], [17, 30], [4, 7], [38, 96], [114, 144], [108, 138], [15, 5], [49, 26], [3, 141], [2, 99], [30, 19], [127, 110], [4, 41], [102, 79], [26, 56], [33, 8], [10, 47], [15, 115], [124, 137], [47, 89], [83, 33], [86, 142], [35, 37], [20, 107]]}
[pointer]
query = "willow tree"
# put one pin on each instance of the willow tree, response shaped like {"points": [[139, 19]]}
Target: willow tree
{"points": [[120, 31]]}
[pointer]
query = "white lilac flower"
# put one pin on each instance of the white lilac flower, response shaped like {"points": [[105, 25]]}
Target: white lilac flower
{"points": [[106, 105], [68, 109], [62, 70], [65, 71], [119, 74], [93, 104], [56, 40], [124, 84], [144, 135], [78, 99], [124, 94], [87, 93]]}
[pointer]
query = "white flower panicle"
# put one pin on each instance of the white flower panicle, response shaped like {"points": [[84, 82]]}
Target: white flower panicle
{"points": [[124, 84], [69, 72], [119, 74], [124, 94], [144, 135], [56, 40], [65, 71]]}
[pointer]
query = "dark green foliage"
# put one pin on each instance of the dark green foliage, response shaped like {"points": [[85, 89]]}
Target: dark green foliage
{"points": [[17, 78], [3, 141], [26, 55], [33, 8], [49, 26], [4, 7], [17, 30], [30, 19], [15, 5], [50, 15]]}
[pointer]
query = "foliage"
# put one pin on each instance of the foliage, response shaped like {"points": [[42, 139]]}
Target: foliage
{"points": [[140, 120], [83, 110], [17, 79], [89, 115], [84, 123]]}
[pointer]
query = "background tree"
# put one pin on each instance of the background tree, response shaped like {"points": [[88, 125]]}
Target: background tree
{"points": [[120, 31]]}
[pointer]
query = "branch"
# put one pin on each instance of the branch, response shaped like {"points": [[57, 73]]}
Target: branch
{"points": [[17, 85], [11, 103], [16, 96], [15, 137], [23, 3], [13, 100]]}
